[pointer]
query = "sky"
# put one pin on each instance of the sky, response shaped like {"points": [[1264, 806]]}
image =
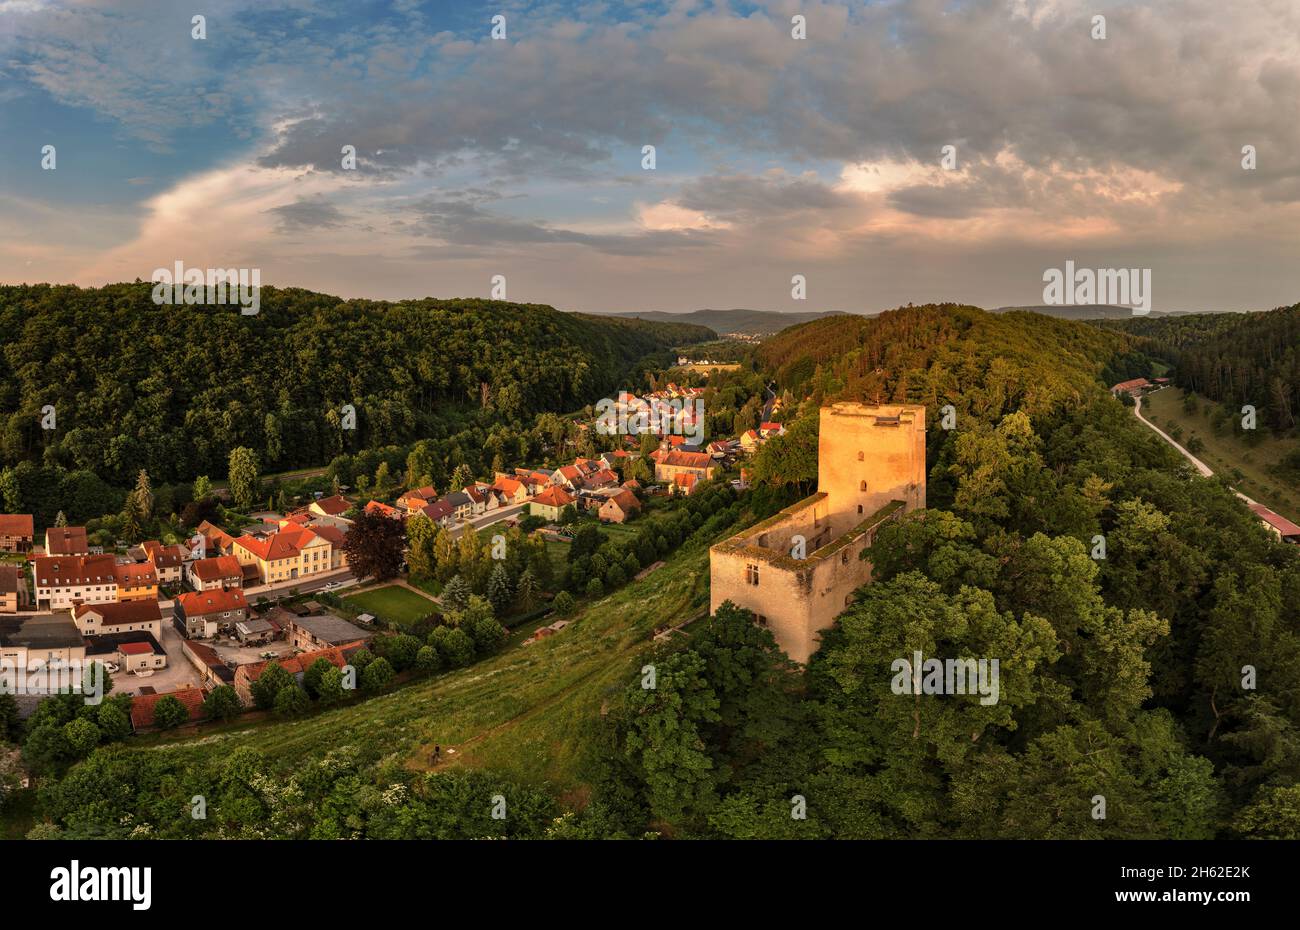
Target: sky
{"points": [[774, 156]]}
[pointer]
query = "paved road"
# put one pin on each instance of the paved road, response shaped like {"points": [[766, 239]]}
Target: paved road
{"points": [[1200, 466]]}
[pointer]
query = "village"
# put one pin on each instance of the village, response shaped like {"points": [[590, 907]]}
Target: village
{"points": [[183, 619]]}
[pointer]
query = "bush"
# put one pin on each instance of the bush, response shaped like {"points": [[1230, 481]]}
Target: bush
{"points": [[378, 676], [169, 713], [563, 603]]}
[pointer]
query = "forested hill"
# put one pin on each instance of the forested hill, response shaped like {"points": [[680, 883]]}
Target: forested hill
{"points": [[983, 363], [756, 322], [1234, 358], [174, 388]]}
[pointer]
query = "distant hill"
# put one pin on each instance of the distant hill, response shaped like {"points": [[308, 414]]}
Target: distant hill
{"points": [[750, 322], [1097, 312]]}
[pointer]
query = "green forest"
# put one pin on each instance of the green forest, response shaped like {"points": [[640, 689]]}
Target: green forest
{"points": [[173, 389], [1148, 630]]}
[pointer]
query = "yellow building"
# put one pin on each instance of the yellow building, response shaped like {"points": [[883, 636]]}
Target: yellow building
{"points": [[797, 571], [289, 554]]}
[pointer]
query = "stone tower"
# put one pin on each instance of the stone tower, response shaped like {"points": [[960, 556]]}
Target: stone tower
{"points": [[798, 570]]}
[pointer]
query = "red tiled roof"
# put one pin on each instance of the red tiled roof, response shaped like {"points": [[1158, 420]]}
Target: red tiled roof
{"points": [[687, 460], [509, 486], [121, 612], [554, 496], [75, 570], [135, 649], [1129, 385], [215, 569], [218, 600], [62, 540], [142, 705], [333, 506], [16, 524], [1275, 520], [768, 426], [626, 500], [377, 507], [437, 510], [136, 575], [286, 544]]}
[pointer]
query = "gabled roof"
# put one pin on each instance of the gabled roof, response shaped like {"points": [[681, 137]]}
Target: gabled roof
{"points": [[217, 568], [554, 496], [286, 544], [377, 507], [16, 524], [427, 493], [333, 505], [507, 485], [1275, 520], [438, 510], [217, 600], [135, 575], [75, 570], [625, 500], [63, 540], [688, 460], [121, 612]]}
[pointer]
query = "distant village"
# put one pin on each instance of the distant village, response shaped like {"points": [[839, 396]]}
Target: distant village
{"points": [[183, 619]]}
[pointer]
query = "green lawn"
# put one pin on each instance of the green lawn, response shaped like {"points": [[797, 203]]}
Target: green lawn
{"points": [[526, 711], [1225, 453], [393, 603]]}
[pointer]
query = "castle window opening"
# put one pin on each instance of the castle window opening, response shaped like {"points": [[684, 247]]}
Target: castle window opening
{"points": [[862, 456], [862, 486], [751, 573]]}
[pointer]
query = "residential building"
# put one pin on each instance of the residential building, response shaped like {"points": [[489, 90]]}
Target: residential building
{"points": [[202, 614], [550, 503], [168, 561], [247, 675], [1277, 524], [13, 588], [512, 490], [120, 617], [62, 581], [322, 631], [286, 554], [750, 441], [414, 501], [256, 631], [16, 532], [223, 571], [385, 510], [136, 581], [335, 506], [620, 507], [768, 430], [66, 540], [1133, 388], [697, 466], [216, 541], [440, 512]]}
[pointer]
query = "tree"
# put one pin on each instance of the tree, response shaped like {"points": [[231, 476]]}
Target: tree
{"points": [[460, 477], [400, 650], [427, 660], [222, 703], [454, 646], [526, 593], [330, 689], [144, 495], [374, 546], [243, 476], [202, 487], [311, 678], [291, 701], [500, 591], [421, 537], [169, 713], [457, 593], [82, 736], [61, 519], [114, 722], [377, 676], [563, 603], [269, 684]]}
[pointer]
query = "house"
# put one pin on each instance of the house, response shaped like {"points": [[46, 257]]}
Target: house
{"points": [[619, 508], [750, 441], [216, 541], [136, 581], [697, 466], [1133, 388], [511, 490], [202, 614], [335, 537], [213, 671], [440, 512], [13, 589], [16, 532], [142, 706], [1279, 525], [167, 561], [247, 675], [223, 571], [66, 540], [568, 477], [62, 581], [132, 652], [385, 510], [335, 506], [601, 478], [121, 617], [29, 644], [482, 498], [768, 430], [463, 504], [286, 554], [322, 631], [418, 499], [549, 503]]}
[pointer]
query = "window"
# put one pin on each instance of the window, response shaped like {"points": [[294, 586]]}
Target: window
{"points": [[760, 619], [859, 508], [862, 456], [751, 574], [862, 486], [844, 557]]}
